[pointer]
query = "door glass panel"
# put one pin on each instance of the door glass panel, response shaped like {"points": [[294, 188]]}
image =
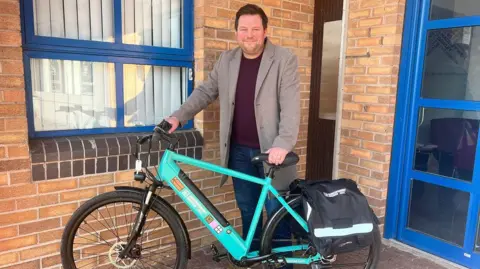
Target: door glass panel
{"points": [[445, 9], [438, 211], [452, 64], [446, 142]]}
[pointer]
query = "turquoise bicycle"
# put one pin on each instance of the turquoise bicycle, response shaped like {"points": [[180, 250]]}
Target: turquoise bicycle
{"points": [[137, 228]]}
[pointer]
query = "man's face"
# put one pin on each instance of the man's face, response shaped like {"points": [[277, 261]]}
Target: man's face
{"points": [[250, 34]]}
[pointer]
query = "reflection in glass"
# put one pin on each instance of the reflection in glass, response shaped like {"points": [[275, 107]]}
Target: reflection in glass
{"points": [[446, 142], [152, 93], [72, 94], [452, 64], [81, 19], [438, 211], [445, 9], [477, 242], [152, 23]]}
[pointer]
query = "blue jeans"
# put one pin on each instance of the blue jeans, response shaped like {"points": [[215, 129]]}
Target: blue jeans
{"points": [[247, 195]]}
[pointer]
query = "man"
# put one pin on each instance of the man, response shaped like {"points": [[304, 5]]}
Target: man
{"points": [[258, 87]]}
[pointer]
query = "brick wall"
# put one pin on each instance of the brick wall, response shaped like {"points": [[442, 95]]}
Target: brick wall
{"points": [[369, 97], [33, 213]]}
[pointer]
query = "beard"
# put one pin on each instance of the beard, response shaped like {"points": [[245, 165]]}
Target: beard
{"points": [[251, 47]]}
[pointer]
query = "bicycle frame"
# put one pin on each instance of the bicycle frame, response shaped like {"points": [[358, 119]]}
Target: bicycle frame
{"points": [[208, 214]]}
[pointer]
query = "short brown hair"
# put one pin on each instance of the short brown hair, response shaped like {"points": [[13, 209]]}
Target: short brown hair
{"points": [[251, 9]]}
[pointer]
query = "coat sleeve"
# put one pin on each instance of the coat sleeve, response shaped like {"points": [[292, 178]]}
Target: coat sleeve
{"points": [[201, 96], [289, 101]]}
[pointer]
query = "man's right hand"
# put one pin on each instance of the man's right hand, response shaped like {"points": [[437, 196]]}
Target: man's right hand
{"points": [[174, 122]]}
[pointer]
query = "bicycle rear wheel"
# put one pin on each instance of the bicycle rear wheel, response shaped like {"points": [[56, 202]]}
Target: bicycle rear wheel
{"points": [[99, 230], [366, 258]]}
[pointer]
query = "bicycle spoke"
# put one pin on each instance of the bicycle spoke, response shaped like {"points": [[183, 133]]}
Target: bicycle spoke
{"points": [[102, 223], [100, 237], [113, 222]]}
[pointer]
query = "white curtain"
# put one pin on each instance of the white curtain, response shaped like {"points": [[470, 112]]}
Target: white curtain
{"points": [[152, 93], [75, 19], [158, 90], [72, 94]]}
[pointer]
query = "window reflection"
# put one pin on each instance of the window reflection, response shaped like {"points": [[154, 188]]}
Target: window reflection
{"points": [[438, 211], [452, 64], [446, 142]]}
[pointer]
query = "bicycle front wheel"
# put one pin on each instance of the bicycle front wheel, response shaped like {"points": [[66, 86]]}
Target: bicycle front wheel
{"points": [[99, 230], [366, 258]]}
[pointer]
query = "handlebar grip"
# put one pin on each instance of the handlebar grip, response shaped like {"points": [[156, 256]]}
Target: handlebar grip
{"points": [[163, 127]]}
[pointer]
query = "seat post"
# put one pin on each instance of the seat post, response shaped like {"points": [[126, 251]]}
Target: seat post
{"points": [[271, 172]]}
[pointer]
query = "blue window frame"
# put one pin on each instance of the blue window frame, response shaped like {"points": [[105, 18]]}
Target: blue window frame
{"points": [[105, 67]]}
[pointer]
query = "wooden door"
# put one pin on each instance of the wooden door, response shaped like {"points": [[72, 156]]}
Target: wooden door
{"points": [[321, 123]]}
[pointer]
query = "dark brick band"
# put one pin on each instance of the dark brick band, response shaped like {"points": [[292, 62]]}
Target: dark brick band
{"points": [[63, 157]]}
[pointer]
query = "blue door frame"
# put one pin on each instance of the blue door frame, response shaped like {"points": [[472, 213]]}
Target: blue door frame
{"points": [[409, 101]]}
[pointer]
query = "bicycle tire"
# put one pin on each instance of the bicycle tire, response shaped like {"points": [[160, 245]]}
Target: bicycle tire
{"points": [[295, 202], [160, 207]]}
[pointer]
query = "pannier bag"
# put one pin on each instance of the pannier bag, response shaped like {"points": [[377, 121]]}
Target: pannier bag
{"points": [[338, 215]]}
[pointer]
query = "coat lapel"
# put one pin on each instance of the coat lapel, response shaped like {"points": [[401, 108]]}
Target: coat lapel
{"points": [[234, 68], [265, 65]]}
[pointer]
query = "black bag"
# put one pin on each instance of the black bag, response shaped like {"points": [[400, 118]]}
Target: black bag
{"points": [[338, 216]]}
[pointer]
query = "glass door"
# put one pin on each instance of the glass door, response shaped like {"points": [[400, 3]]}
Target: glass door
{"points": [[440, 203]]}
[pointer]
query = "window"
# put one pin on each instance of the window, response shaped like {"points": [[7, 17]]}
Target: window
{"points": [[107, 66]]}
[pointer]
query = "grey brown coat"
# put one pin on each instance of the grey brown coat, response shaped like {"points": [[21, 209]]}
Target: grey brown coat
{"points": [[277, 102]]}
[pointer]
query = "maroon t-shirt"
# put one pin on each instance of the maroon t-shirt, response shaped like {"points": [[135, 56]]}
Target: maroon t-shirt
{"points": [[244, 128]]}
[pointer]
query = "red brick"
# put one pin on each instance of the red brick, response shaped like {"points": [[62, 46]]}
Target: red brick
{"points": [[291, 6], [27, 265], [57, 185], [13, 138], [39, 226], [370, 22], [14, 96], [10, 53], [17, 191], [8, 110], [8, 232], [78, 195], [363, 117], [365, 98], [37, 201], [16, 123], [17, 151], [10, 38], [57, 210], [17, 217], [9, 22], [365, 80], [370, 41], [358, 170], [18, 242], [39, 251], [357, 14], [371, 3], [96, 180], [51, 261], [362, 32], [6, 206], [376, 146], [8, 258]]}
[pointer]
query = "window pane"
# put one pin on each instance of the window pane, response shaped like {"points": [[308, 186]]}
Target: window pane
{"points": [[152, 93], [452, 64], [73, 94], [446, 142], [74, 19], [438, 211], [445, 9], [153, 23]]}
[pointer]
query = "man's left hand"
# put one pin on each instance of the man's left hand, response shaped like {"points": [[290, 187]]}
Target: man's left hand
{"points": [[276, 155]]}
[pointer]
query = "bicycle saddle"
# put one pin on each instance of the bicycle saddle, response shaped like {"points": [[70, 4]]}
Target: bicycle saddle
{"points": [[291, 159]]}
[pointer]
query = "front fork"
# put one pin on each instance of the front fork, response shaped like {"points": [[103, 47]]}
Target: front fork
{"points": [[140, 220]]}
